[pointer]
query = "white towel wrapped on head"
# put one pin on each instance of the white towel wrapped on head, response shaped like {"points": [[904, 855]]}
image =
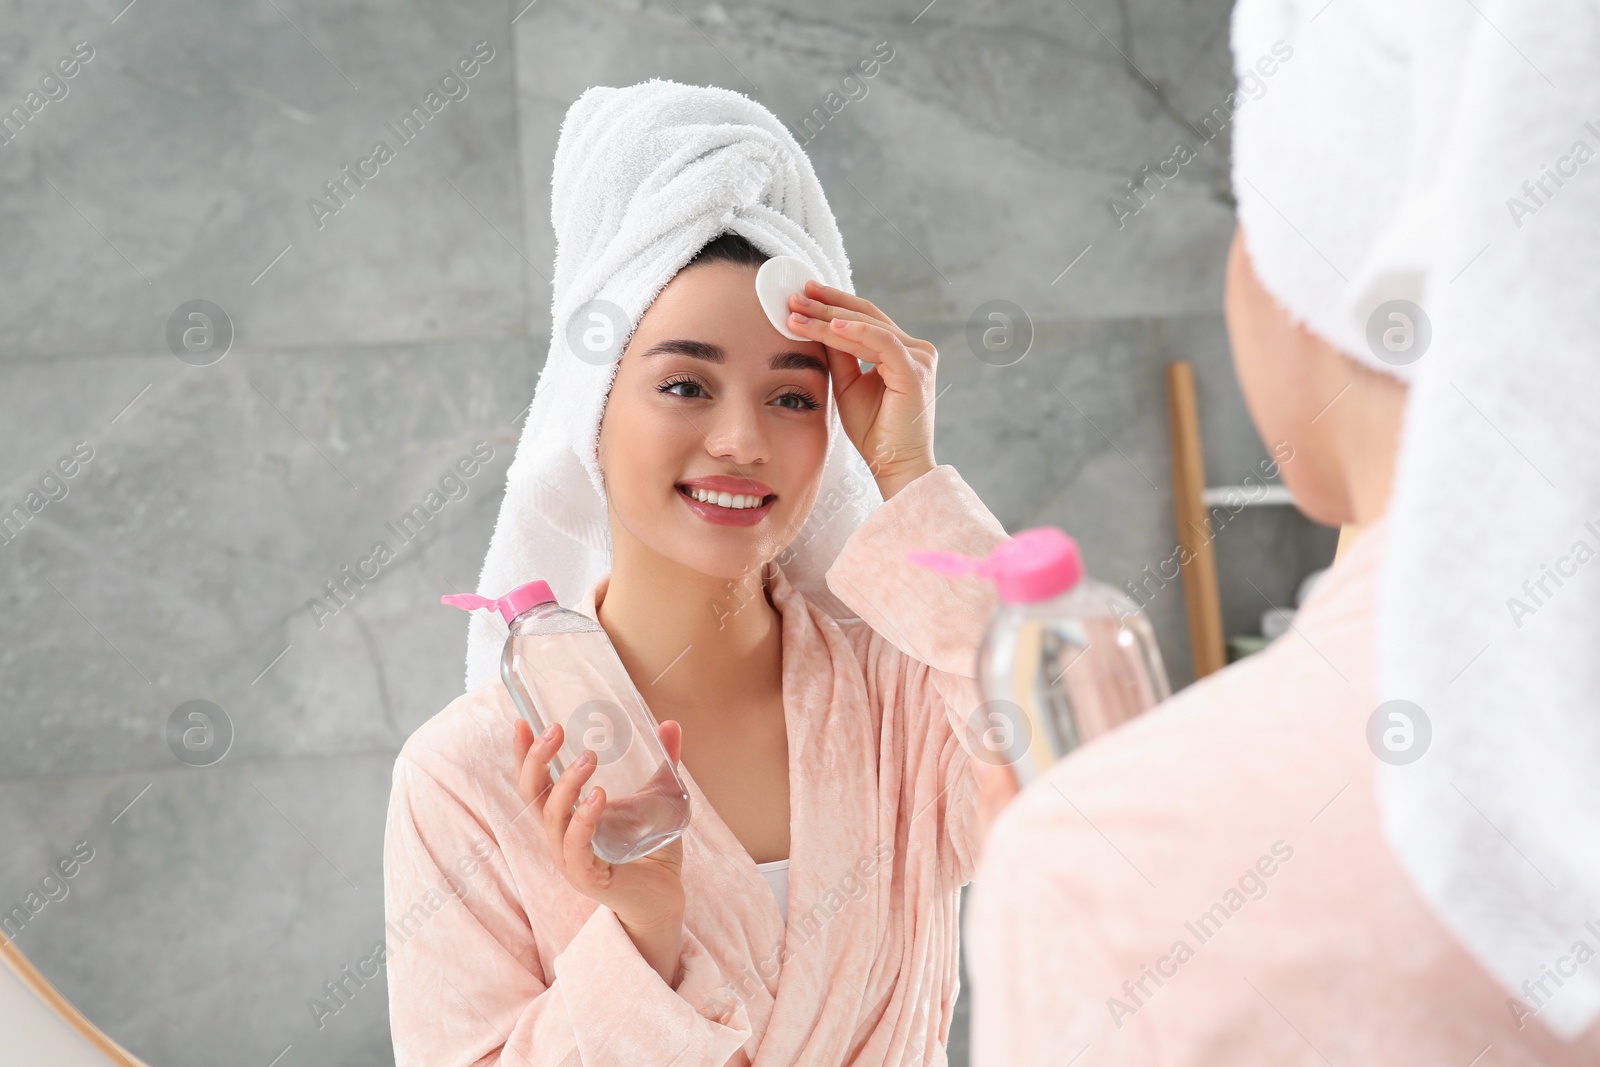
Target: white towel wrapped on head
{"points": [[644, 177]]}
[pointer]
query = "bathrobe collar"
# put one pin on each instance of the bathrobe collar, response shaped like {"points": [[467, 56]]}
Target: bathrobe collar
{"points": [[828, 839]]}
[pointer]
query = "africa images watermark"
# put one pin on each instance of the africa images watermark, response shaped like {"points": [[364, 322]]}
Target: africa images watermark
{"points": [[1538, 991], [199, 733], [53, 487], [53, 888], [344, 588], [851, 88], [745, 589], [1143, 589], [342, 188], [853, 885], [1210, 922], [1566, 169], [1537, 590], [51, 88], [1251, 84], [401, 927]]}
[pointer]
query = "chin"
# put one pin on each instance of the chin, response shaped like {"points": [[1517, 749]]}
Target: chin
{"points": [[729, 553], [725, 566], [1317, 501], [726, 552]]}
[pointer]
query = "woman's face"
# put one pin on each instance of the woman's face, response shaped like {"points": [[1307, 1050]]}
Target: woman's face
{"points": [[706, 387]]}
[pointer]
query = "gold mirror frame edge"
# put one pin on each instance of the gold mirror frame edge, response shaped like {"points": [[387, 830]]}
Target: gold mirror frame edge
{"points": [[41, 987]]}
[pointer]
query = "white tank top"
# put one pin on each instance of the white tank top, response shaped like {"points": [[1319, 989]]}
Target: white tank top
{"points": [[777, 875]]}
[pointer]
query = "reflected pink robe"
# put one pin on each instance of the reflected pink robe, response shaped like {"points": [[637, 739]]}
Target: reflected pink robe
{"points": [[1222, 856], [493, 958]]}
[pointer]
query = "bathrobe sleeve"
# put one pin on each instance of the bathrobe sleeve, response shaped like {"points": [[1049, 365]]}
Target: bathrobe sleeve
{"points": [[466, 986], [921, 649]]}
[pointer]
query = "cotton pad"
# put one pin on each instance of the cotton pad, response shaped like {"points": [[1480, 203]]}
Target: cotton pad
{"points": [[777, 278]]}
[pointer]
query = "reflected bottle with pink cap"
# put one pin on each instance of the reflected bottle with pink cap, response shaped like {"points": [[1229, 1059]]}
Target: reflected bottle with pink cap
{"points": [[1065, 658], [560, 667]]}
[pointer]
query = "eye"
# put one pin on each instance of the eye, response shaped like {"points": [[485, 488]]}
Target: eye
{"points": [[807, 403], [668, 386]]}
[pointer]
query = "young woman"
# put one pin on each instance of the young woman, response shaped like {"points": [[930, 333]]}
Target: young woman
{"points": [[833, 745]]}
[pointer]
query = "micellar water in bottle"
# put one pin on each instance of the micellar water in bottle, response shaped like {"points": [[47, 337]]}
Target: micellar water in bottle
{"points": [[560, 666], [1065, 658]]}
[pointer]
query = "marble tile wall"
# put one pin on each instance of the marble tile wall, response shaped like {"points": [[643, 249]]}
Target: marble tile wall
{"points": [[364, 350]]}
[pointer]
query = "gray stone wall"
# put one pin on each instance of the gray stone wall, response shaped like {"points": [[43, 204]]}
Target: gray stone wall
{"points": [[370, 348]]}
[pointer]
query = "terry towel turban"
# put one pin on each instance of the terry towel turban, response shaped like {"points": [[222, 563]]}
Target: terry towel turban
{"points": [[643, 177], [1447, 155]]}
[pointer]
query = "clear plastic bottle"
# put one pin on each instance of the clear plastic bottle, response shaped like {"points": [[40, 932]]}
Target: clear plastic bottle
{"points": [[1065, 658], [559, 666]]}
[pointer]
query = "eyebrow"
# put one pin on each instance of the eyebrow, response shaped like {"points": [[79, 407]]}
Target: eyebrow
{"points": [[714, 354]]}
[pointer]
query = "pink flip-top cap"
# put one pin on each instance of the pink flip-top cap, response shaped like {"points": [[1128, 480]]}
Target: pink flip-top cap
{"points": [[509, 606], [1034, 565]]}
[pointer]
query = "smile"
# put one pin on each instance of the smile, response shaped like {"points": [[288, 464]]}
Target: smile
{"points": [[727, 509]]}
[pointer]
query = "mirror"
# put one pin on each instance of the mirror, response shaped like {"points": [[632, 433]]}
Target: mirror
{"points": [[249, 360], [42, 1026]]}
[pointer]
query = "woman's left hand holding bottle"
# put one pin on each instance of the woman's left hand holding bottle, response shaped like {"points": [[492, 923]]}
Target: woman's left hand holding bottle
{"points": [[647, 894]]}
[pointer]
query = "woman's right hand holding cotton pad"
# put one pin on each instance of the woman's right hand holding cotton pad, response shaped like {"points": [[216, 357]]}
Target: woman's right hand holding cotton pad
{"points": [[647, 894]]}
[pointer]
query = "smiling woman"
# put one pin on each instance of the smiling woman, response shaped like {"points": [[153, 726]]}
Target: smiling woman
{"points": [[706, 394], [818, 726]]}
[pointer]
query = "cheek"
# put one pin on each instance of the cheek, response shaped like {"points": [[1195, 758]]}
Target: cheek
{"points": [[641, 441], [800, 449], [1263, 347], [804, 452], [810, 439], [643, 451], [1283, 374]]}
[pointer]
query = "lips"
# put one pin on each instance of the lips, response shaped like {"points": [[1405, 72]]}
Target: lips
{"points": [[721, 516], [723, 483]]}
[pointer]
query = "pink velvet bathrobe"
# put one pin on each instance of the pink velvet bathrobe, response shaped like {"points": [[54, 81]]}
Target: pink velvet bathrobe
{"points": [[495, 959], [1209, 885]]}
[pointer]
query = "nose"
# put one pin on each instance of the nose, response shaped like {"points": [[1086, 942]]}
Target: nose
{"points": [[734, 432]]}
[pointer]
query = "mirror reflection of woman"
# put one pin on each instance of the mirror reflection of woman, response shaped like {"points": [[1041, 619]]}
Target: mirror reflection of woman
{"points": [[810, 912]]}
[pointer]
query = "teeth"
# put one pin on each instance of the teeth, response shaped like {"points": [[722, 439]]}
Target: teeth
{"points": [[735, 501]]}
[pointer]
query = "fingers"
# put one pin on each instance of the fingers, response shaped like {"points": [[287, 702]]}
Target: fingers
{"points": [[804, 311], [877, 344], [671, 734], [568, 826], [817, 309], [577, 843], [835, 330], [825, 302], [522, 739], [843, 369], [849, 301], [864, 336], [533, 754], [563, 795]]}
